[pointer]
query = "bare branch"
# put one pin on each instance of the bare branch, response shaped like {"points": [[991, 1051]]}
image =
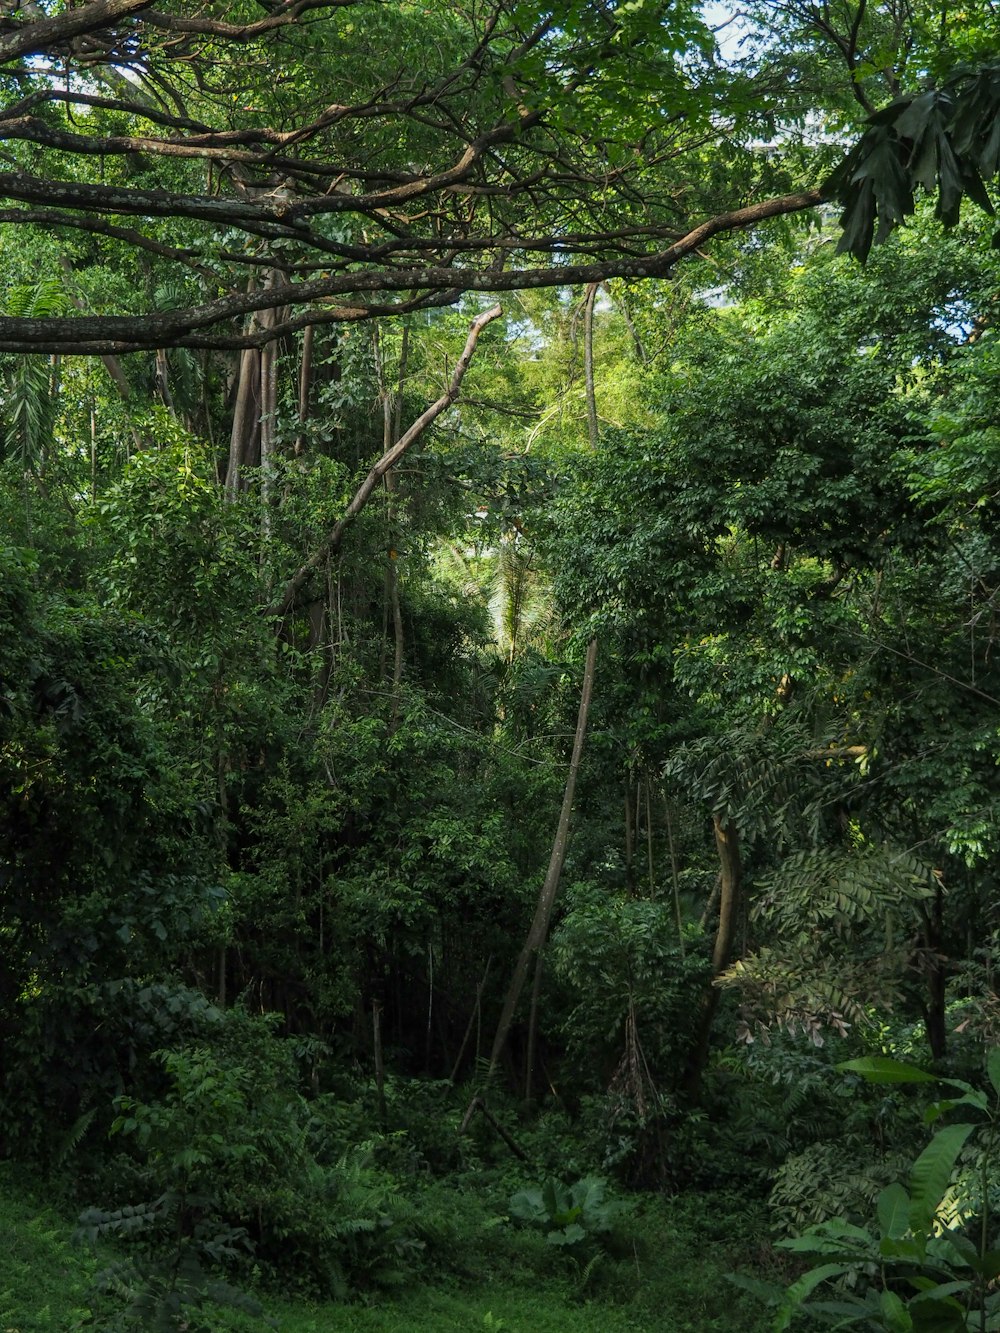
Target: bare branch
{"points": [[389, 459]]}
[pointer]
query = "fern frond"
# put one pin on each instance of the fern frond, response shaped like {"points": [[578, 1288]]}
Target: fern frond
{"points": [[73, 1137]]}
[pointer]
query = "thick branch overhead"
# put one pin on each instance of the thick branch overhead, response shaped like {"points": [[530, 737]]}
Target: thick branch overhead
{"points": [[453, 153]]}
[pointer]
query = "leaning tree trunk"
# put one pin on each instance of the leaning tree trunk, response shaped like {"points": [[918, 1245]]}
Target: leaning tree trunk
{"points": [[539, 928]]}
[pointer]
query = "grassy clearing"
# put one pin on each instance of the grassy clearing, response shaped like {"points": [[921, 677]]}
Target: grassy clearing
{"points": [[670, 1279]]}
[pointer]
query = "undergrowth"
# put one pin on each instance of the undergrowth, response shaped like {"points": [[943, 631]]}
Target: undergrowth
{"points": [[665, 1272]]}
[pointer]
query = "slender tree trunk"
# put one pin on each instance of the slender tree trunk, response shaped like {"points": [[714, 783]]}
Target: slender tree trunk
{"points": [[391, 423], [674, 874], [588, 363], [637, 347], [244, 438], [398, 640], [93, 452], [430, 1007], [935, 1023], [730, 876], [538, 930], [404, 358], [268, 412], [393, 410], [305, 386], [649, 842], [162, 379], [268, 419], [629, 845], [474, 1021], [529, 1060], [379, 1066]]}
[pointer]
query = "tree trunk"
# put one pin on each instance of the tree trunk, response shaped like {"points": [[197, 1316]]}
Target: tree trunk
{"points": [[244, 438], [268, 424], [588, 363], [255, 413], [529, 1059], [305, 386], [628, 830], [935, 1023], [161, 377], [391, 423], [730, 875], [538, 931], [674, 874], [649, 843]]}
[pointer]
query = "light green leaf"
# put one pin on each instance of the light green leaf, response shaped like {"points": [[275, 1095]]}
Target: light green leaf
{"points": [[883, 1069], [931, 1173], [904, 1247]]}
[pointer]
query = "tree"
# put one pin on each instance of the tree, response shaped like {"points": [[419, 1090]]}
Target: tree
{"points": [[392, 162], [793, 571]]}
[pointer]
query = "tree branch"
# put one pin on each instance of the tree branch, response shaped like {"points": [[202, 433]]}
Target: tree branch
{"points": [[41, 36], [331, 545], [438, 285]]}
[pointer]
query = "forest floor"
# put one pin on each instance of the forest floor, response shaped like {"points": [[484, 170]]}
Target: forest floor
{"points": [[673, 1282]]}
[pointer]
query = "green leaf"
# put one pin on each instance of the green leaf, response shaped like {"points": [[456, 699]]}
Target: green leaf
{"points": [[894, 1313], [971, 1098], [932, 1313], [931, 1173], [853, 1309], [528, 1207], [799, 1290], [993, 1059], [833, 1237], [904, 1247], [964, 1252], [571, 1235], [883, 1069], [894, 1212], [768, 1292]]}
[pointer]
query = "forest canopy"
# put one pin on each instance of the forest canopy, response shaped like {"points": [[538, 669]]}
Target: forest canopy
{"points": [[306, 163]]}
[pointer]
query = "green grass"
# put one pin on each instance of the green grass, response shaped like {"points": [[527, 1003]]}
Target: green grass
{"points": [[45, 1281], [670, 1281]]}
